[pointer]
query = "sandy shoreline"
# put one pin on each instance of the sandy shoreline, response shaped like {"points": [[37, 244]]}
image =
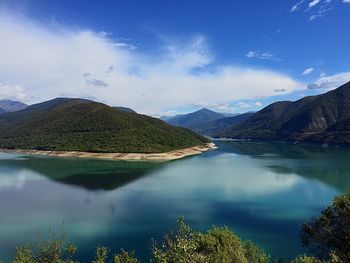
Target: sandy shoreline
{"points": [[167, 156]]}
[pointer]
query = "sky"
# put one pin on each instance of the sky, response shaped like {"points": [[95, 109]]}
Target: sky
{"points": [[164, 57]]}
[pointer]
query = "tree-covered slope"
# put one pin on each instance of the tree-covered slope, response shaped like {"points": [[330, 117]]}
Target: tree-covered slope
{"points": [[217, 126], [322, 118], [83, 125], [125, 109]]}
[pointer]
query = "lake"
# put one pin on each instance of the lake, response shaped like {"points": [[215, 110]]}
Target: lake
{"points": [[262, 191]]}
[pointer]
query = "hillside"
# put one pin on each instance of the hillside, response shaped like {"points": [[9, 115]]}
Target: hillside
{"points": [[11, 105], [217, 126], [81, 125], [321, 118], [125, 109], [195, 119]]}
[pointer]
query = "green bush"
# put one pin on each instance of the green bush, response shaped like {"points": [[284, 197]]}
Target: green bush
{"points": [[219, 244], [53, 250], [329, 235]]}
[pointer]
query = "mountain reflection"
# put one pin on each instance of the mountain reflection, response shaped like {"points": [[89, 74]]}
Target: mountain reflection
{"points": [[87, 174], [328, 165]]}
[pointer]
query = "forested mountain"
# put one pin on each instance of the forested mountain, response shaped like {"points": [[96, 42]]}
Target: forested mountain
{"points": [[321, 118], [82, 125]]}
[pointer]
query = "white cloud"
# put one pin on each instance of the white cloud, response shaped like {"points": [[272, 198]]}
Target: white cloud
{"points": [[317, 8], [307, 71], [222, 107], [258, 103], [40, 62], [330, 82], [281, 90], [346, 1], [12, 92], [313, 3], [296, 7], [243, 105], [261, 55]]}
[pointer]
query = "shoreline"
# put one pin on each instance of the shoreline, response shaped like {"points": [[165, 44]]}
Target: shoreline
{"points": [[160, 157]]}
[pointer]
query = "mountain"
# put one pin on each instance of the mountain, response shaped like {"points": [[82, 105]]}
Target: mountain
{"points": [[125, 109], [214, 127], [166, 118], [11, 105], [195, 119], [321, 118], [2, 111], [82, 125]]}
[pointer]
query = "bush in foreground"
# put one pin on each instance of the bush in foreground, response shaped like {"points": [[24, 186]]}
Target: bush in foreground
{"points": [[216, 245], [329, 235]]}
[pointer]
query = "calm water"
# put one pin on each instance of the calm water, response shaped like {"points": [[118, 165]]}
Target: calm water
{"points": [[262, 191]]}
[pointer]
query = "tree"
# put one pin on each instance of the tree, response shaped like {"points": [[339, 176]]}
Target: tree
{"points": [[329, 235], [53, 250], [219, 244]]}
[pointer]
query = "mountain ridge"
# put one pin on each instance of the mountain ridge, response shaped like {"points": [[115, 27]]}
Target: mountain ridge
{"points": [[312, 118], [195, 119], [11, 105]]}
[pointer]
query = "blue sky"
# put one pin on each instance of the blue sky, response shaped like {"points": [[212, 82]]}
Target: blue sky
{"points": [[166, 57]]}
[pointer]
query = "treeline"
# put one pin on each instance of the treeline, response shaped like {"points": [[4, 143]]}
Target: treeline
{"points": [[328, 238]]}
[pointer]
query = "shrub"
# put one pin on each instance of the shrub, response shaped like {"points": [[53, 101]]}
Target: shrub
{"points": [[329, 235]]}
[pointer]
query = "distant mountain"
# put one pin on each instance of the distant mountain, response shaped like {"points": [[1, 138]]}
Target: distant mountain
{"points": [[125, 109], [82, 125], [321, 118], [195, 119], [217, 126], [227, 114], [166, 118], [2, 111], [11, 105]]}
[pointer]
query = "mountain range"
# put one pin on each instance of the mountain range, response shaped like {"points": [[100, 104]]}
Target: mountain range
{"points": [[11, 106], [321, 118], [205, 121], [84, 125], [65, 124], [194, 120]]}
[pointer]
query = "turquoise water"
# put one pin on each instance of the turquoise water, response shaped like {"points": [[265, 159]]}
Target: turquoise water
{"points": [[262, 191]]}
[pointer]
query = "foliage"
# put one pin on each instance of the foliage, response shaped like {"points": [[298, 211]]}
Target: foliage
{"points": [[216, 245], [123, 257], [53, 250], [330, 233], [80, 125], [306, 259], [101, 255]]}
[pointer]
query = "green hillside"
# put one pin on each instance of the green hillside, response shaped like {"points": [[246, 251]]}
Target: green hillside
{"points": [[214, 127], [83, 125], [322, 118]]}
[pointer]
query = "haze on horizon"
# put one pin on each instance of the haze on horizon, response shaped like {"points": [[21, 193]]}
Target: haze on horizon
{"points": [[173, 56]]}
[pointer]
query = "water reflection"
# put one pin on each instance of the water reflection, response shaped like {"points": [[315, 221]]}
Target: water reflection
{"points": [[328, 165], [88, 174]]}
